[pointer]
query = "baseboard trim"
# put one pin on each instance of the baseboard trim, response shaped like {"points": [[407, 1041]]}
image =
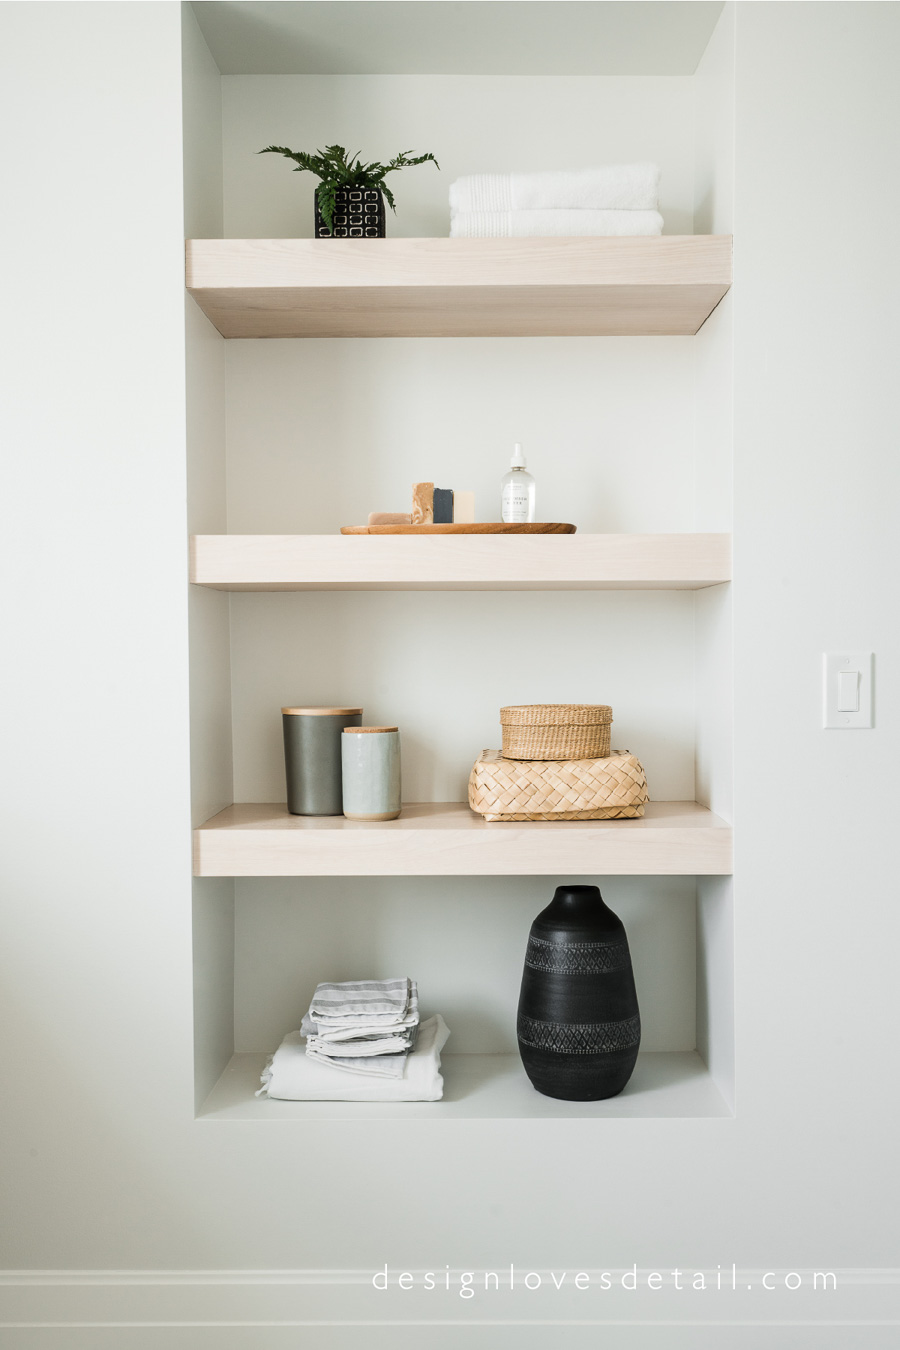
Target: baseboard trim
{"points": [[333, 1298]]}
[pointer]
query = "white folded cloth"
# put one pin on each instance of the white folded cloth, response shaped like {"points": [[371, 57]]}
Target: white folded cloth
{"points": [[381, 1065], [612, 187], [292, 1075], [549, 224]]}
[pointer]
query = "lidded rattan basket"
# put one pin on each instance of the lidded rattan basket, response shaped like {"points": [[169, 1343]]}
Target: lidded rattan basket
{"points": [[556, 731]]}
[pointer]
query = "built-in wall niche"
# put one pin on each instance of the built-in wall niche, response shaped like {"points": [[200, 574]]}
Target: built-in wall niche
{"points": [[464, 942], [625, 435]]}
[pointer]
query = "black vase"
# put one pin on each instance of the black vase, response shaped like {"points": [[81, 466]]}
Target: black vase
{"points": [[358, 214], [578, 1025]]}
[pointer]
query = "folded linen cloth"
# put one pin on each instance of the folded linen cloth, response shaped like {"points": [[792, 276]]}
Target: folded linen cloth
{"points": [[375, 1066], [359, 1022], [292, 1075], [365, 1047], [544, 224], [612, 187], [361, 999]]}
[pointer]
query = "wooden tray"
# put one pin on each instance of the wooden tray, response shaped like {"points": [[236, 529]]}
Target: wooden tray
{"points": [[485, 527]]}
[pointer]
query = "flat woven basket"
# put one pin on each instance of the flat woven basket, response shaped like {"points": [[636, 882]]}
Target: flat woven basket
{"points": [[610, 788], [556, 731]]}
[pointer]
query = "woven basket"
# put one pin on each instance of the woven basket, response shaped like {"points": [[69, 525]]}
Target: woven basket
{"points": [[556, 731], [611, 788]]}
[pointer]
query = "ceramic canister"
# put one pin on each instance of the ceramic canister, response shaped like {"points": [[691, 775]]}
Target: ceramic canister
{"points": [[371, 767], [312, 758]]}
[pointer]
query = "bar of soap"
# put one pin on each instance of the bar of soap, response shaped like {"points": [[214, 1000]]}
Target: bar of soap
{"points": [[464, 508], [389, 518], [443, 506], [423, 504]]}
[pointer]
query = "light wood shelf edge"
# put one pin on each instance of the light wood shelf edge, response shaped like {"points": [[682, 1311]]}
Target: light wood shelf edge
{"points": [[447, 839], [478, 562], [666, 285]]}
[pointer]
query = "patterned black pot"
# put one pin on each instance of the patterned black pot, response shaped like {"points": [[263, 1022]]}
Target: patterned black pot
{"points": [[578, 1026], [358, 214]]}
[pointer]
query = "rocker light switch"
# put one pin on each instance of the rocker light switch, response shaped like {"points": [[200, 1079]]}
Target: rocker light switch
{"points": [[848, 690]]}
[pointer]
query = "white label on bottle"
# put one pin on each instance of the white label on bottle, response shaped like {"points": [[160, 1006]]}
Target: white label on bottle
{"points": [[514, 504]]}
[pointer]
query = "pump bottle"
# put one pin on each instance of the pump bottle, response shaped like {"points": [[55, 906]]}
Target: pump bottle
{"points": [[517, 491]]}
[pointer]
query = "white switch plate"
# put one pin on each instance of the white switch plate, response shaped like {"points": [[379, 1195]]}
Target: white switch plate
{"points": [[834, 665]]}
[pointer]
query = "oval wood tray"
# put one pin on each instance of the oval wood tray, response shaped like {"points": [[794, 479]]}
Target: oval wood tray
{"points": [[485, 527]]}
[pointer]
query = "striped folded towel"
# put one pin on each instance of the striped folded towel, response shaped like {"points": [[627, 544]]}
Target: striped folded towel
{"points": [[363, 1026], [353, 1010], [361, 1000]]}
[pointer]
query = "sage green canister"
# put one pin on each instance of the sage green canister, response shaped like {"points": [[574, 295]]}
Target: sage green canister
{"points": [[371, 765], [312, 758]]}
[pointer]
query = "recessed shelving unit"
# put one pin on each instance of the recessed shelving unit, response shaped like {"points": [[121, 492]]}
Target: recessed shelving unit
{"points": [[673, 1085], [257, 839], [273, 562], [315, 434], [576, 287]]}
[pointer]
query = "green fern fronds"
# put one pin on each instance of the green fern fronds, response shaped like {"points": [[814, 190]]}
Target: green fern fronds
{"points": [[336, 170]]}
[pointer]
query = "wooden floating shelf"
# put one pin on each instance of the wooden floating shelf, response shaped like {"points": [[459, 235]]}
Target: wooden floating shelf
{"points": [[447, 839], [287, 288], [674, 1084], [322, 562]]}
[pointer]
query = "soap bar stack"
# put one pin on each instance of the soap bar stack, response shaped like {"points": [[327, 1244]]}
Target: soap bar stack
{"points": [[615, 199], [363, 1026], [431, 506]]}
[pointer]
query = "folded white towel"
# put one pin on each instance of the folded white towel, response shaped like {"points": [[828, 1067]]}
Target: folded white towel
{"points": [[613, 187], [550, 224], [292, 1075]]}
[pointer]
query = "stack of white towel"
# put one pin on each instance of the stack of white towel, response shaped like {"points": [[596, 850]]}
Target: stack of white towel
{"points": [[618, 199], [363, 1042]]}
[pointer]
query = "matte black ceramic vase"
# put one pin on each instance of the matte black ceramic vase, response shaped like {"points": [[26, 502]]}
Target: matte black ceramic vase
{"points": [[578, 1026]]}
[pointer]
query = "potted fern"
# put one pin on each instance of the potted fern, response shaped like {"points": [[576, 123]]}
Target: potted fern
{"points": [[350, 196]]}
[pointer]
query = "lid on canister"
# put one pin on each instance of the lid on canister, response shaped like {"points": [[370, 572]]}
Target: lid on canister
{"points": [[321, 712], [359, 729]]}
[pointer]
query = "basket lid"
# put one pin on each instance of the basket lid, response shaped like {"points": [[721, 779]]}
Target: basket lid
{"points": [[556, 714]]}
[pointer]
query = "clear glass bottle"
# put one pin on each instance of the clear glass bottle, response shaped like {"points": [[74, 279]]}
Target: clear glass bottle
{"points": [[517, 491]]}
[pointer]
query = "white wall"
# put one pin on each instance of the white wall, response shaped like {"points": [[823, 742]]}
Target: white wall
{"points": [[816, 486], [96, 965], [105, 1166]]}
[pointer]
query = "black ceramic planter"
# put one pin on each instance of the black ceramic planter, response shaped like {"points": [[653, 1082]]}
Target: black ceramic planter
{"points": [[358, 214], [578, 1026]]}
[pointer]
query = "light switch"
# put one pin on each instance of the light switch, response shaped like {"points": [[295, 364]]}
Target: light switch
{"points": [[848, 690]]}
